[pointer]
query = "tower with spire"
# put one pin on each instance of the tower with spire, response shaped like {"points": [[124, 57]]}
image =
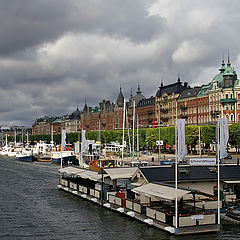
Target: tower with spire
{"points": [[120, 98]]}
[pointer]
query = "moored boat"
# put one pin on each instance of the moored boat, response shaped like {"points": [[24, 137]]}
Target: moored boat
{"points": [[67, 157], [43, 158], [25, 155]]}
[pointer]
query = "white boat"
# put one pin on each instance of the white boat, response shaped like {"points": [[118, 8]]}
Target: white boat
{"points": [[5, 150], [25, 155]]}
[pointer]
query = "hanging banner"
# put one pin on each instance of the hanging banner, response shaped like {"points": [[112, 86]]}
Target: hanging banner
{"points": [[182, 150], [63, 140], [84, 143], [224, 136]]}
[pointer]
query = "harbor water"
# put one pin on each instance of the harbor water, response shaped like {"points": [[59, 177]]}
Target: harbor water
{"points": [[32, 207]]}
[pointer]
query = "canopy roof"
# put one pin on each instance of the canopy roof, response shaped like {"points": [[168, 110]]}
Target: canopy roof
{"points": [[160, 191], [123, 173], [83, 173], [95, 176], [232, 181]]}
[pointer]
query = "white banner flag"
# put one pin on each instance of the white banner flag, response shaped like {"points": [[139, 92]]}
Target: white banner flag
{"points": [[63, 140], [84, 143], [182, 150], [224, 136]]}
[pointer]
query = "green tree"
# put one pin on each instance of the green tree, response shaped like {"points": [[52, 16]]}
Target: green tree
{"points": [[234, 135]]}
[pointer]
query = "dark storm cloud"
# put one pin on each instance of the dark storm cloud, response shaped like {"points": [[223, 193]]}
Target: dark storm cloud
{"points": [[28, 23]]}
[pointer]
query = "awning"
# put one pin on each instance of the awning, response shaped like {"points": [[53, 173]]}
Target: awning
{"points": [[70, 170], [120, 173], [160, 191], [86, 174], [232, 181]]}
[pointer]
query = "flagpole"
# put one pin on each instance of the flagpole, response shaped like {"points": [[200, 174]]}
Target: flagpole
{"points": [[218, 169], [199, 136], [124, 113], [137, 140], [133, 130], [176, 177]]}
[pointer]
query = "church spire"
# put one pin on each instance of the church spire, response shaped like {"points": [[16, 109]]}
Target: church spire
{"points": [[138, 91], [120, 98], [228, 63], [222, 68], [85, 106], [178, 80]]}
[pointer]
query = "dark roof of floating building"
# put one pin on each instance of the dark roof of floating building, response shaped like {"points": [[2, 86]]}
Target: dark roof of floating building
{"points": [[190, 173]]}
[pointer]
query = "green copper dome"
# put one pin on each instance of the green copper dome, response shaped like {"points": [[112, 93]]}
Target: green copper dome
{"points": [[224, 71]]}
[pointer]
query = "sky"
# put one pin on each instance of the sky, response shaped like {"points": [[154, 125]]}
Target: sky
{"points": [[54, 54]]}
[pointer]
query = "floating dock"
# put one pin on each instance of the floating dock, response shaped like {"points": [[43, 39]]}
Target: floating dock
{"points": [[188, 225]]}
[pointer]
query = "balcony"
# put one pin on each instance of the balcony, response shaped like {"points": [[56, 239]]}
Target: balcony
{"points": [[228, 100], [164, 110], [150, 112], [164, 119], [215, 113], [184, 108]]}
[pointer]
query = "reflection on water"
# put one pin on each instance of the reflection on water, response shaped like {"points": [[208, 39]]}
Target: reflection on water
{"points": [[31, 207]]}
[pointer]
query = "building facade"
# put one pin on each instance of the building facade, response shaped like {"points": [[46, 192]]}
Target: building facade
{"points": [[166, 102]]}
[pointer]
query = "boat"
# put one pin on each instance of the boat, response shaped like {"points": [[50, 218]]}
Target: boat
{"points": [[12, 153], [43, 158], [99, 164], [5, 150], [68, 157], [25, 155]]}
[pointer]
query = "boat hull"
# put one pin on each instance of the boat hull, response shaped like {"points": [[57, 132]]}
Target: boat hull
{"points": [[65, 160], [26, 158]]}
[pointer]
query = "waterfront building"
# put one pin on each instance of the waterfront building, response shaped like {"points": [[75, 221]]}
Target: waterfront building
{"points": [[42, 125], [144, 109], [166, 102], [146, 112], [224, 95], [203, 105], [56, 126], [188, 105]]}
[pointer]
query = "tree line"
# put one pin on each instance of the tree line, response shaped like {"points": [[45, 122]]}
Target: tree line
{"points": [[148, 137]]}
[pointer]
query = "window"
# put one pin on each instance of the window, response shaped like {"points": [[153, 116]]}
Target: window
{"points": [[238, 106], [239, 96], [232, 117], [239, 117], [226, 96]]}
